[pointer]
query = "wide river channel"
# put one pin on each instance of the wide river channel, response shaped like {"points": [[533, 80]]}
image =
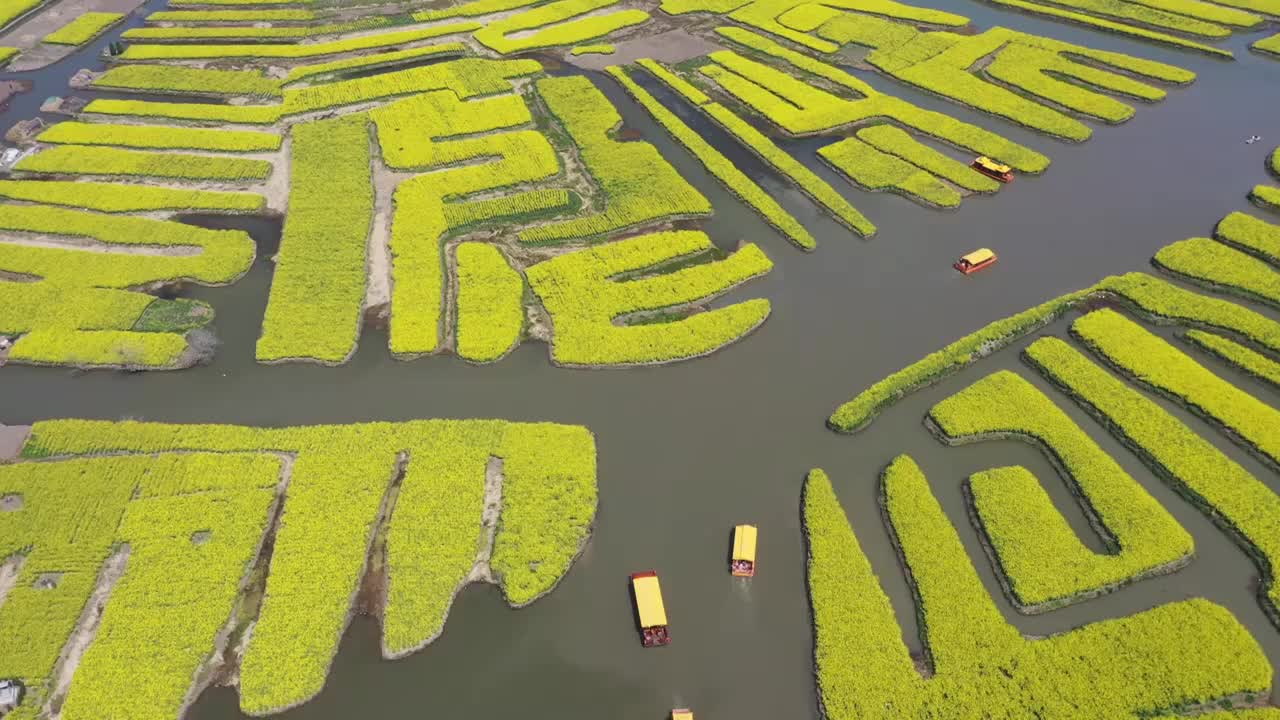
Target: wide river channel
{"points": [[688, 450]]}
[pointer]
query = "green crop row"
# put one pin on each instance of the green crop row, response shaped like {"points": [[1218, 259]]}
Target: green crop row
{"points": [[188, 81], [583, 300], [1268, 45], [596, 49], [1045, 563], [318, 289], [1151, 296], [1221, 267], [410, 134], [303, 617], [227, 497], [1156, 364], [421, 222], [1253, 363], [490, 303], [780, 160], [765, 14], [12, 10], [892, 140], [979, 665], [801, 108], [1036, 71], [377, 60], [473, 8], [638, 185], [1229, 494], [7, 54], [154, 137], [440, 506], [1122, 9], [1266, 196], [1168, 303], [212, 16], [294, 51], [862, 409], [318, 558], [564, 28], [85, 27], [67, 526], [876, 170], [264, 34], [116, 197], [224, 255], [69, 347], [549, 500], [89, 327], [1233, 14], [1250, 234], [89, 160], [466, 77], [409, 130], [201, 112], [718, 165], [940, 63], [1150, 14]]}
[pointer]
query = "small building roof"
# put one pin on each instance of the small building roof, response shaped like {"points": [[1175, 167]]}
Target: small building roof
{"points": [[649, 601], [744, 543]]}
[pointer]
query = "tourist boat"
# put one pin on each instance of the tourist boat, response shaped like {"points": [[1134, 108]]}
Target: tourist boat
{"points": [[993, 169], [742, 563], [682, 714], [649, 609], [979, 259]]}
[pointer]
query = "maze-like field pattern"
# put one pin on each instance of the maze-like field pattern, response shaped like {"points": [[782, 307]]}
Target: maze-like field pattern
{"points": [[1185, 655], [171, 551], [391, 142]]}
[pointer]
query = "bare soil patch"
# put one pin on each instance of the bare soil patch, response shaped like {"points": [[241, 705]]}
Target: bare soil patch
{"points": [[669, 47], [12, 438]]}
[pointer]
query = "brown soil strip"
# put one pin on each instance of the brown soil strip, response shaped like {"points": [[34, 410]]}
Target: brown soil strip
{"points": [[86, 630]]}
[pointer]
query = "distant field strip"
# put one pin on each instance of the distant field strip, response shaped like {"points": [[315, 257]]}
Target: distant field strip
{"points": [[718, 165], [90, 160], [318, 289], [159, 138]]}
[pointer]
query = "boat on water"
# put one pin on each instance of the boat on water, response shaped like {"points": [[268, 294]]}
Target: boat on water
{"points": [[993, 169], [650, 611], [682, 714], [979, 259], [742, 563]]}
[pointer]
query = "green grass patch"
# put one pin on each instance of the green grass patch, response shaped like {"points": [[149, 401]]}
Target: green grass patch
{"points": [[1221, 267]]}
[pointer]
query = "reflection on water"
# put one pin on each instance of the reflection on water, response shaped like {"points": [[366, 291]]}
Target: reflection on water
{"points": [[689, 450]]}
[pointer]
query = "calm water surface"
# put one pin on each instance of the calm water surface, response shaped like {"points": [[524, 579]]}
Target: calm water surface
{"points": [[687, 451]]}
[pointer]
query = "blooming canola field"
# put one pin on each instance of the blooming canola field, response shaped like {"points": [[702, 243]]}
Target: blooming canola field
{"points": [[519, 210]]}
